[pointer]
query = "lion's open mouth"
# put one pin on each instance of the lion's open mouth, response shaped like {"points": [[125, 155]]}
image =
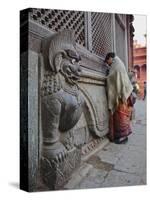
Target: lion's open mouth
{"points": [[75, 78], [71, 75]]}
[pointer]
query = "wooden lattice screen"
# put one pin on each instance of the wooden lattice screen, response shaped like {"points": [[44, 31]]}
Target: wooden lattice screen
{"points": [[101, 33], [58, 20]]}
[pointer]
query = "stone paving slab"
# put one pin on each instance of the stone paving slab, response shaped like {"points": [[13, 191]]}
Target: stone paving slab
{"points": [[117, 178], [110, 153], [78, 175], [133, 163], [94, 179]]}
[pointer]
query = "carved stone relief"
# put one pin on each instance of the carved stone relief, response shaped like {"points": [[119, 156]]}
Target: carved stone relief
{"points": [[73, 109], [61, 108]]}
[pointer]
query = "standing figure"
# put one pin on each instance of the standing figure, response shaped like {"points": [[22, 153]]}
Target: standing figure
{"points": [[119, 93], [144, 90]]}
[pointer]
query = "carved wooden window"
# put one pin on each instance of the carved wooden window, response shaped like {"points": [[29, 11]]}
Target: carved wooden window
{"points": [[58, 20], [101, 33]]}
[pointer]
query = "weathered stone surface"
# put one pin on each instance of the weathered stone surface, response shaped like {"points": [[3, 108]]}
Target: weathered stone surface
{"points": [[110, 153], [56, 172], [120, 178], [130, 162], [94, 179], [78, 175], [33, 119], [93, 147]]}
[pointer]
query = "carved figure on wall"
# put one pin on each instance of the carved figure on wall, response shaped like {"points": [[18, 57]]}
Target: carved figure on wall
{"points": [[61, 102]]}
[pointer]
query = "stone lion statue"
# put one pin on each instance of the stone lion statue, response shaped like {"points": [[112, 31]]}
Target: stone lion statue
{"points": [[61, 102]]}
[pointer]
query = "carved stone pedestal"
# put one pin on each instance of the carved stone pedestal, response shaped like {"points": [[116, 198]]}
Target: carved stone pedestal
{"points": [[56, 172]]}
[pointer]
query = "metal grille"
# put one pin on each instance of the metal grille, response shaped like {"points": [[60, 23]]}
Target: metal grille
{"points": [[120, 41], [101, 33], [58, 20]]}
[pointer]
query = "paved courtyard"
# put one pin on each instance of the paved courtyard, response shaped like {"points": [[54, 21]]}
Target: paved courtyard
{"points": [[117, 165]]}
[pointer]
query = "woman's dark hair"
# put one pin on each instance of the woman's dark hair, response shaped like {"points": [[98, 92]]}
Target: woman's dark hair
{"points": [[110, 54]]}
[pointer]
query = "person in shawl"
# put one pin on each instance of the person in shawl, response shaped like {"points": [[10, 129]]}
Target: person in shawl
{"points": [[119, 94]]}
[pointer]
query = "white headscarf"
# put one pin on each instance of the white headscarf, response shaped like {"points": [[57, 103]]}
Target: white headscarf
{"points": [[119, 86]]}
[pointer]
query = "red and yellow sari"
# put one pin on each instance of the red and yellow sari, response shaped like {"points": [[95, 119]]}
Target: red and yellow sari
{"points": [[119, 122]]}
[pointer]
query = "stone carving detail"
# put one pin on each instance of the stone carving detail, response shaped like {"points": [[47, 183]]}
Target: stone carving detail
{"points": [[97, 126], [57, 171], [91, 146], [61, 108]]}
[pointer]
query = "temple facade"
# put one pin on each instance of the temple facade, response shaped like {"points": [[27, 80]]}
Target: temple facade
{"points": [[139, 64]]}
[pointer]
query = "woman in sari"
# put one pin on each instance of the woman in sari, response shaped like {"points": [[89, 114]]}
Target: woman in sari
{"points": [[119, 93]]}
